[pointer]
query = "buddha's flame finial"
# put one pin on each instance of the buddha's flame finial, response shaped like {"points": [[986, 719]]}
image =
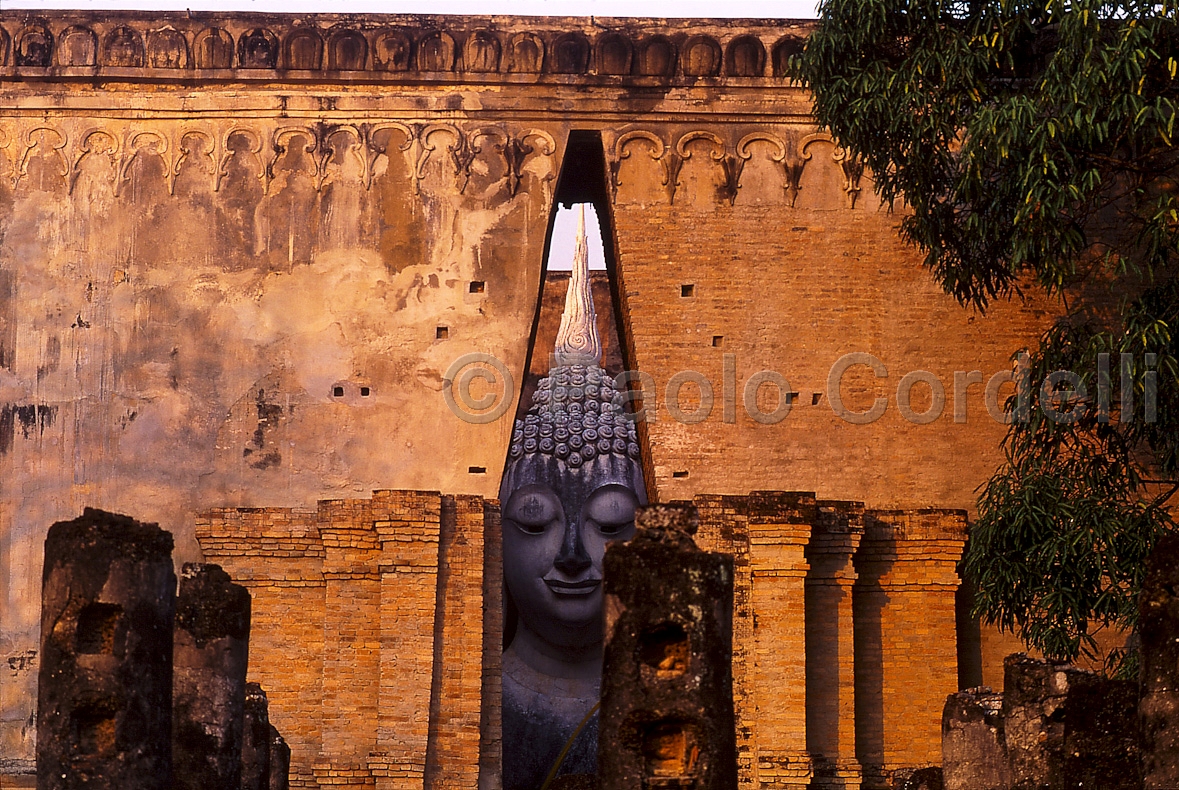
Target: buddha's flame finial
{"points": [[577, 339]]}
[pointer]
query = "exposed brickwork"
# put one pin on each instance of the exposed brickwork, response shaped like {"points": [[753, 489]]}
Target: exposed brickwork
{"points": [[905, 658], [779, 528], [409, 524], [791, 290], [830, 659], [456, 698], [277, 554], [393, 696]]}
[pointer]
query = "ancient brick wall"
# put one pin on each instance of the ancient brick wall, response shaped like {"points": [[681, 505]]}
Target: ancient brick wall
{"points": [[382, 661], [240, 253], [373, 653]]}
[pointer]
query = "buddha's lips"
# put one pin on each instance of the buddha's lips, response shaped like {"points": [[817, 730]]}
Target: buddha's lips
{"points": [[583, 587]]}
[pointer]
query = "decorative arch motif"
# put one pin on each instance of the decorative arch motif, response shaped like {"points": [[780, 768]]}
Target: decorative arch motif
{"points": [[123, 48], [784, 49], [717, 154], [427, 147], [657, 57], [347, 51], [213, 49], [374, 147], [519, 149], [258, 49], [701, 57], [303, 50], [327, 149], [96, 142], [281, 144], [392, 51], [615, 55], [78, 47], [745, 57], [35, 136], [527, 54], [481, 54], [436, 52], [184, 152], [622, 151], [34, 46], [137, 142], [227, 153], [167, 48], [571, 54]]}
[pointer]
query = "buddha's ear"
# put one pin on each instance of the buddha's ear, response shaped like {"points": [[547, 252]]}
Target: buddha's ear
{"points": [[639, 488]]}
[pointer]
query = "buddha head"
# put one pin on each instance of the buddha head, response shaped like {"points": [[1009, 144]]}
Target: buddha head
{"points": [[571, 485]]}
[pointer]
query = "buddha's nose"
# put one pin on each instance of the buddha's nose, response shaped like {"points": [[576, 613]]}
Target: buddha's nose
{"points": [[573, 558]]}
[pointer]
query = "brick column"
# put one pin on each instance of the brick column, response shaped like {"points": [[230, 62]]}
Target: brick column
{"points": [[779, 528], [905, 649], [724, 528], [830, 665], [490, 718], [277, 555], [452, 759], [351, 642], [407, 524]]}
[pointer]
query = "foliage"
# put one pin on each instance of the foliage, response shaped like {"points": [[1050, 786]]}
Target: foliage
{"points": [[1034, 143]]}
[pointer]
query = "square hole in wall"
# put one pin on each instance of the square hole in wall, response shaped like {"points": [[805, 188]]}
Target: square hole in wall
{"points": [[718, 341], [441, 333], [478, 286], [687, 289], [477, 470], [365, 392], [680, 474], [815, 399], [337, 391]]}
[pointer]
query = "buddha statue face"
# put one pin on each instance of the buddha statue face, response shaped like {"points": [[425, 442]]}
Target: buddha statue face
{"points": [[556, 524], [571, 485]]}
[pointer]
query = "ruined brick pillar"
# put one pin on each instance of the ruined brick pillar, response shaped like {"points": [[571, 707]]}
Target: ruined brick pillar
{"points": [[407, 525], [277, 554], [667, 712], [255, 755], [490, 719], [1158, 627], [724, 528], [351, 641], [779, 529], [210, 654], [830, 660], [452, 759], [906, 659], [104, 705]]}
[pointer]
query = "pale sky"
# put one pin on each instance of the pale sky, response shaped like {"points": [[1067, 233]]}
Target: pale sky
{"points": [[778, 9]]}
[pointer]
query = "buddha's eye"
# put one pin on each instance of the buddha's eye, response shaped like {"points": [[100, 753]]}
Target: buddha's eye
{"points": [[532, 513], [612, 508]]}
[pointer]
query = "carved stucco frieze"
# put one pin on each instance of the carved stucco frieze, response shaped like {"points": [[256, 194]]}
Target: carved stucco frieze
{"points": [[730, 149], [326, 149]]}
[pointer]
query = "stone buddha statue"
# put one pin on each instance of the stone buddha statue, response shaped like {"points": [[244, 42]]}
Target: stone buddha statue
{"points": [[571, 485]]}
